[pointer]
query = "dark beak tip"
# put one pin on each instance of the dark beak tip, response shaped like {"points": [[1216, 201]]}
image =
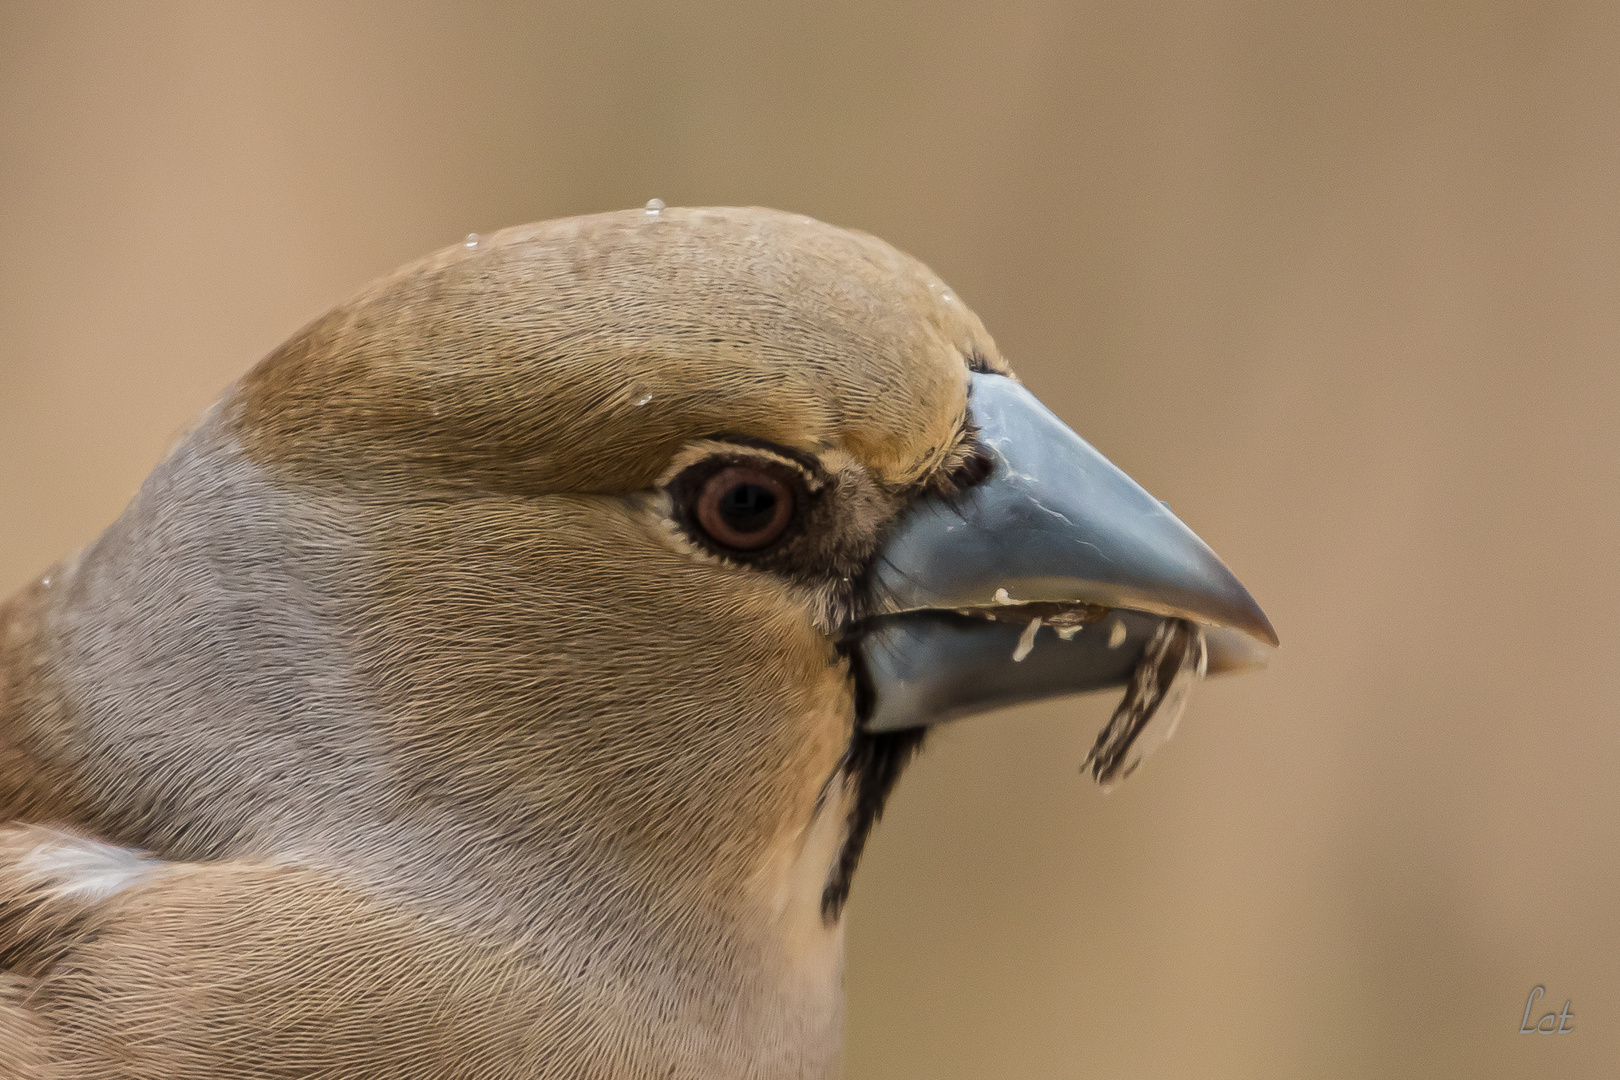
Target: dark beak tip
{"points": [[1227, 602], [1270, 636], [1259, 627]]}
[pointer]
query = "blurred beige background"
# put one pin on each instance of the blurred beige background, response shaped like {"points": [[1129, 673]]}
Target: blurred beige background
{"points": [[1339, 281]]}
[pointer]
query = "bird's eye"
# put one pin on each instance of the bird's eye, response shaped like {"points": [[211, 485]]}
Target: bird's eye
{"points": [[744, 508]]}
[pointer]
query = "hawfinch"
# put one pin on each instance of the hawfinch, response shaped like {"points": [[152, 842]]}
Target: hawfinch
{"points": [[501, 679]]}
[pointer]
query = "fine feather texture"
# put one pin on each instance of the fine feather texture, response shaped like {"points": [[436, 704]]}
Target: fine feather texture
{"points": [[404, 727]]}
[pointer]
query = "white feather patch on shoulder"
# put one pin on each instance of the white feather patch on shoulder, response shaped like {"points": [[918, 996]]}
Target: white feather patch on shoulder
{"points": [[64, 866]]}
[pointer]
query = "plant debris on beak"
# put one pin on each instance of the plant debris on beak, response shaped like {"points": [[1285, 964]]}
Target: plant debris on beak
{"points": [[1174, 660]]}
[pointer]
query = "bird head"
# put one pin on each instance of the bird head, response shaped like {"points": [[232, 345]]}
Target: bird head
{"points": [[602, 573], [621, 483]]}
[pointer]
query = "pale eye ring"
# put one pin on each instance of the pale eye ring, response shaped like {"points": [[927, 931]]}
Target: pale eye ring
{"points": [[744, 507]]}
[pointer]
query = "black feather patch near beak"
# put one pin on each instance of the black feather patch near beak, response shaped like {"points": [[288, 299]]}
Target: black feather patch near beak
{"points": [[873, 763]]}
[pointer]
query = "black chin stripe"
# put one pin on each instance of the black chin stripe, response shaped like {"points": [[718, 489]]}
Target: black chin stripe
{"points": [[873, 762]]}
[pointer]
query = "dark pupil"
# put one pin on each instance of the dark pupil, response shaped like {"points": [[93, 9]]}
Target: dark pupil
{"points": [[748, 508]]}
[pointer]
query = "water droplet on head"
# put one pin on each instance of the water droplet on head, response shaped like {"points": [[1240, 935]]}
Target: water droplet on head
{"points": [[473, 240], [642, 400], [45, 582], [655, 207]]}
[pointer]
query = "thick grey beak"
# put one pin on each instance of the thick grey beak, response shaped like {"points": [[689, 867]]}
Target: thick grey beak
{"points": [[1055, 523]]}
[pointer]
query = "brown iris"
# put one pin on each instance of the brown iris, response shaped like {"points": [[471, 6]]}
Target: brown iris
{"points": [[744, 507]]}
